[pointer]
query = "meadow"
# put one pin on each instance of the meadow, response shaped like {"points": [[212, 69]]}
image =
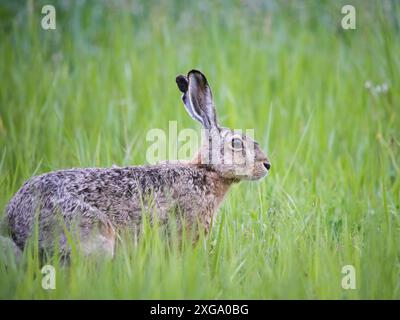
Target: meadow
{"points": [[324, 104]]}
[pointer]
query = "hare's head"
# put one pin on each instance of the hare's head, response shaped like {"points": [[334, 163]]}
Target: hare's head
{"points": [[229, 152]]}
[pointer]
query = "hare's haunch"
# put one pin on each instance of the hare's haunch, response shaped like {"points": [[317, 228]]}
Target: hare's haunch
{"points": [[101, 201]]}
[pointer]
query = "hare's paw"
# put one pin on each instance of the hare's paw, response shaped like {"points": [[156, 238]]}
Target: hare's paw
{"points": [[100, 242]]}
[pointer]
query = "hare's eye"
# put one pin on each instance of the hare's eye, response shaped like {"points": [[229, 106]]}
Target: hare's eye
{"points": [[237, 143]]}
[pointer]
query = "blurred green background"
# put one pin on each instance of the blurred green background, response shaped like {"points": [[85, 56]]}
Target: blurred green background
{"points": [[324, 103]]}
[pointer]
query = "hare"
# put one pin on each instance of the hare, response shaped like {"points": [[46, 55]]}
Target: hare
{"points": [[102, 201]]}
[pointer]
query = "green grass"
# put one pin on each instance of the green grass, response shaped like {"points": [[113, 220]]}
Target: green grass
{"points": [[86, 94]]}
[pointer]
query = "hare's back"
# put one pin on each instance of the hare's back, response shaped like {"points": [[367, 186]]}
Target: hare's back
{"points": [[109, 190]]}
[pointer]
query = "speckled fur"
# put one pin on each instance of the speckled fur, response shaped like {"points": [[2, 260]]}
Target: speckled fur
{"points": [[102, 201], [118, 196]]}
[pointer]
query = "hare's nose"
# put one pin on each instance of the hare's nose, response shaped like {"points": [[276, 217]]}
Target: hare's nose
{"points": [[267, 165]]}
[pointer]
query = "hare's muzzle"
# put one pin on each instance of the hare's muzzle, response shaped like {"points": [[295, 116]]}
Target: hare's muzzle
{"points": [[267, 165]]}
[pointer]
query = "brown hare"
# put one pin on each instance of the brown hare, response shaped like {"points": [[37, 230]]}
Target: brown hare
{"points": [[100, 202]]}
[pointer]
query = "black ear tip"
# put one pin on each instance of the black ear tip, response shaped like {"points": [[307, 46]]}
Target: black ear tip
{"points": [[182, 83], [198, 75], [195, 71]]}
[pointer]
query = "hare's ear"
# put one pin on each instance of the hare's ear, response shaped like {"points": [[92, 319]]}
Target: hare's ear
{"points": [[183, 86], [197, 98]]}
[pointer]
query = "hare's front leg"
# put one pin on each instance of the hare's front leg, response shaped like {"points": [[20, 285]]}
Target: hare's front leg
{"points": [[99, 242]]}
